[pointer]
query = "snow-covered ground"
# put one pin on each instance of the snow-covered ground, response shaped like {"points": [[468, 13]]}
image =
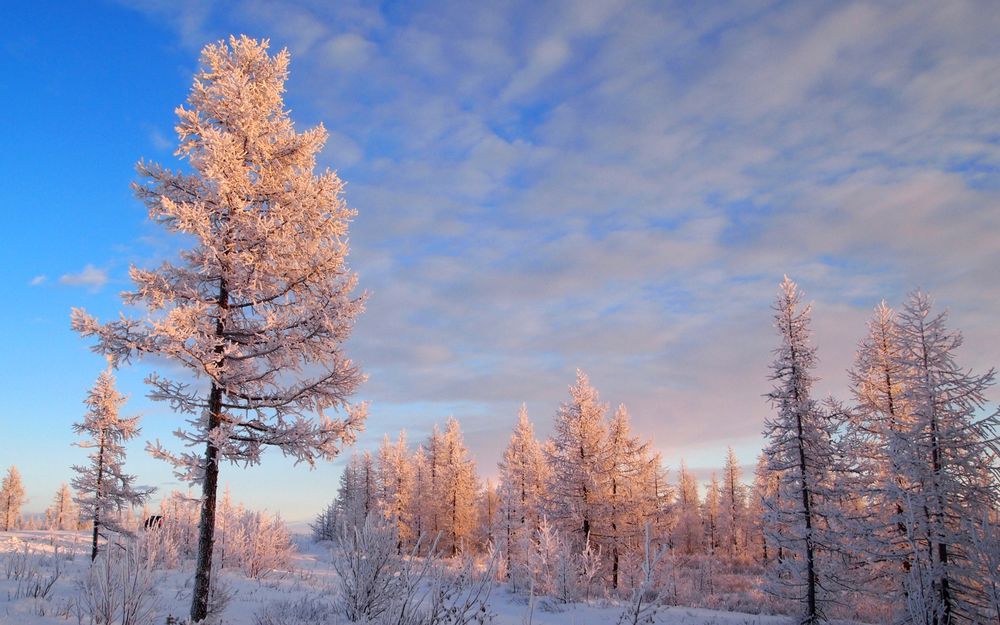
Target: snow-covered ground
{"points": [[62, 558]]}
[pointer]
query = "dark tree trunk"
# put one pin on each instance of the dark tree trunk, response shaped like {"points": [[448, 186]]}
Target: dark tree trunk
{"points": [[97, 500], [206, 528]]}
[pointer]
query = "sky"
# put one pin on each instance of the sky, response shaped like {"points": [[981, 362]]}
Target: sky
{"points": [[612, 186]]}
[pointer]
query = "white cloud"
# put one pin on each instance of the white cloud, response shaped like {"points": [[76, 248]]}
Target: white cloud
{"points": [[621, 187], [90, 277], [37, 280]]}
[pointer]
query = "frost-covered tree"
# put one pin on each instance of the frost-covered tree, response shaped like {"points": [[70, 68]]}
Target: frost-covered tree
{"points": [[457, 490], [711, 511], [357, 496], [732, 504], [800, 451], [488, 515], [950, 467], [687, 534], [660, 496], [626, 506], [325, 526], [522, 490], [256, 311], [395, 487], [62, 514], [873, 445], [11, 498], [421, 512], [102, 485], [430, 503], [578, 462], [764, 489]]}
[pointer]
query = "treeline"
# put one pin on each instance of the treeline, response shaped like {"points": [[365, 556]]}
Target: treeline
{"points": [[62, 514], [888, 501]]}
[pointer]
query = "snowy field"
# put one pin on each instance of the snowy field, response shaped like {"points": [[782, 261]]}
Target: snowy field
{"points": [[42, 573]]}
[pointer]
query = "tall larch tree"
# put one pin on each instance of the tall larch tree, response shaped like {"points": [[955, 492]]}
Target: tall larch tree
{"points": [[431, 502], [458, 487], [687, 532], [764, 489], [660, 495], [63, 513], [420, 509], [732, 504], [711, 511], [522, 490], [578, 462], [626, 505], [256, 311], [11, 498], [102, 485], [395, 481], [875, 441], [488, 515], [357, 495], [799, 447], [952, 459]]}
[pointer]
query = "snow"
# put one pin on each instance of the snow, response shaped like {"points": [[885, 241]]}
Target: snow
{"points": [[311, 575]]}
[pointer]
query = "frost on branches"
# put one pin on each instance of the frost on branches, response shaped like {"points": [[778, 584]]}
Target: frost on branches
{"points": [[949, 469], [11, 498], [801, 454], [103, 488], [257, 309], [522, 490]]}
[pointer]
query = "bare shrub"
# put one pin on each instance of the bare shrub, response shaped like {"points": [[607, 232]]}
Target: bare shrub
{"points": [[119, 589], [304, 611]]}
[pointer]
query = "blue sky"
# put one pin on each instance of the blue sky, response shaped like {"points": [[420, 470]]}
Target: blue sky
{"points": [[616, 186]]}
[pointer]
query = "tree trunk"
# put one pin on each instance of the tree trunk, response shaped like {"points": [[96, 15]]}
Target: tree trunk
{"points": [[97, 499], [209, 488], [811, 613], [206, 526]]}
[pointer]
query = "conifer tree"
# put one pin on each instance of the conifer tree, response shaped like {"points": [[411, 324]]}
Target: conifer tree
{"points": [[62, 514], [431, 503], [103, 488], [522, 492], [488, 511], [800, 451], [357, 495], [951, 466], [395, 487], [660, 498], [11, 498], [578, 462], [732, 504], [626, 506], [710, 513], [874, 443], [257, 309], [687, 532], [765, 489], [458, 488]]}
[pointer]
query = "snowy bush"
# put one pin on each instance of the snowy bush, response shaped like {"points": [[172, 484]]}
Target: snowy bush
{"points": [[255, 543], [378, 585], [34, 579], [304, 611], [267, 545], [368, 568], [118, 588], [645, 598]]}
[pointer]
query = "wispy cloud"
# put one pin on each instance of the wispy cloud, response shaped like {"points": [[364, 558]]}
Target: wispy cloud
{"points": [[90, 277], [38, 280], [620, 186]]}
